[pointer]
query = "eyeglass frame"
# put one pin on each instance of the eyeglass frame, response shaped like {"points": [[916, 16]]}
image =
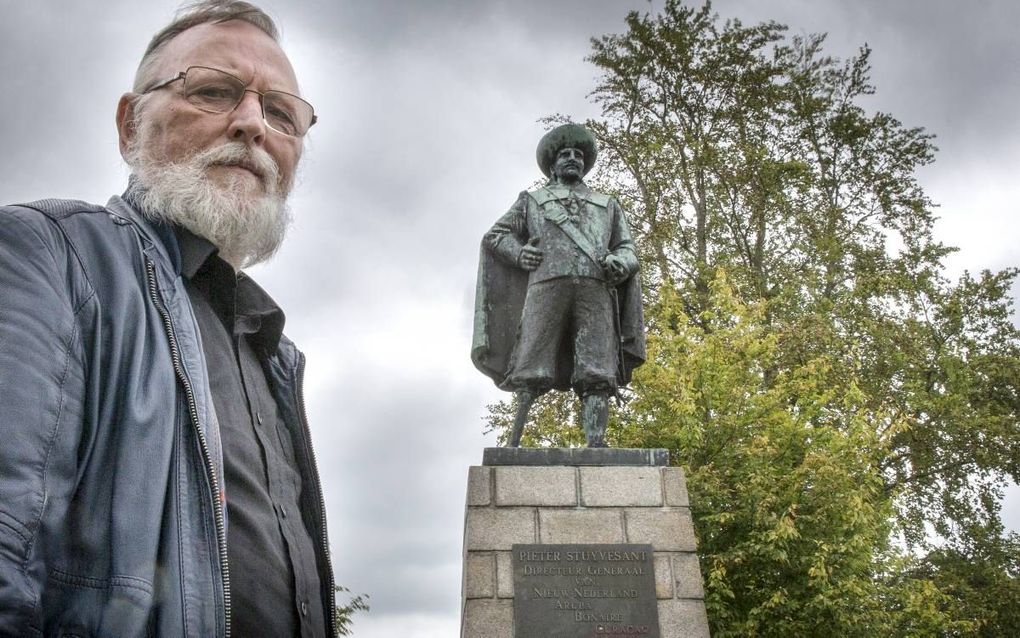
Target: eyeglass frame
{"points": [[181, 75]]}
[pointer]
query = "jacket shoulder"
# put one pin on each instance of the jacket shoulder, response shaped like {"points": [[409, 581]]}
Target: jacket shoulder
{"points": [[70, 222], [48, 218], [39, 223], [87, 238], [57, 209]]}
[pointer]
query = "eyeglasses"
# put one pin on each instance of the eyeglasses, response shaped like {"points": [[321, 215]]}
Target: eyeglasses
{"points": [[215, 91]]}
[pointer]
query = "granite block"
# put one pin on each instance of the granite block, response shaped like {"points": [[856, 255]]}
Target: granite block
{"points": [[683, 619], [546, 486], [663, 576], [580, 526], [479, 573], [621, 486], [479, 486], [676, 487], [504, 575], [668, 530], [687, 576], [488, 619], [498, 529]]}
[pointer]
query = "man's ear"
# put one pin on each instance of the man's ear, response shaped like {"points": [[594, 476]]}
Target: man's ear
{"points": [[126, 129]]}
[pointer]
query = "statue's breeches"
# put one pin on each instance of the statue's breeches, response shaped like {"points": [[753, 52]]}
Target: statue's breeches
{"points": [[566, 322]]}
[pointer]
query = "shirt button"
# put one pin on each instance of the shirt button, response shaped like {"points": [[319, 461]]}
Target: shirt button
{"points": [[304, 608], [258, 417], [283, 511]]}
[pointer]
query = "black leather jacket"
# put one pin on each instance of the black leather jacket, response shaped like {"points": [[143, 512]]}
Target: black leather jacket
{"points": [[111, 516]]}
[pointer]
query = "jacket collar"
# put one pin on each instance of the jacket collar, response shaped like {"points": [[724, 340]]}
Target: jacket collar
{"points": [[156, 233]]}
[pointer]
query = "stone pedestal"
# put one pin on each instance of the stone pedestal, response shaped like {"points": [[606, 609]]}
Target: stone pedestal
{"points": [[556, 496]]}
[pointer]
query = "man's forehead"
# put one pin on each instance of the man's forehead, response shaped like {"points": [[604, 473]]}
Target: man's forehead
{"points": [[235, 46]]}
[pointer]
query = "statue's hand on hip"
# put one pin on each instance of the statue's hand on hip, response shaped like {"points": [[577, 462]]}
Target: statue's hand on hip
{"points": [[531, 255]]}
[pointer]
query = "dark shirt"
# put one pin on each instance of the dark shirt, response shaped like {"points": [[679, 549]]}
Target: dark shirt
{"points": [[274, 583]]}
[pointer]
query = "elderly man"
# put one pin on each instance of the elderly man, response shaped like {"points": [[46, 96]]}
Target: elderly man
{"points": [[157, 472], [559, 303]]}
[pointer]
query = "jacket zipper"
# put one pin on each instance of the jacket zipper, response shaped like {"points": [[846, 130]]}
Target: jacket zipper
{"points": [[175, 355], [303, 416]]}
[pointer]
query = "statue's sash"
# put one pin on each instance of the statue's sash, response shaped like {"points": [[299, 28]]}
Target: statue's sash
{"points": [[561, 220]]}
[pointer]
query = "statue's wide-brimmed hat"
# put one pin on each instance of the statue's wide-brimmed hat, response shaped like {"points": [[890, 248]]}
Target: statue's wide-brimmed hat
{"points": [[565, 136]]}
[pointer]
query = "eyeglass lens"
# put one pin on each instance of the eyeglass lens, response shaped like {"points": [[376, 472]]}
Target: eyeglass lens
{"points": [[219, 92]]}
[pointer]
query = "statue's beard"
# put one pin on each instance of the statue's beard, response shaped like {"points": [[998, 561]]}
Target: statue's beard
{"points": [[244, 217]]}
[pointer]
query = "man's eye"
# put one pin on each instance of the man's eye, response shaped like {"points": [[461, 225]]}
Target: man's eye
{"points": [[214, 92], [280, 118]]}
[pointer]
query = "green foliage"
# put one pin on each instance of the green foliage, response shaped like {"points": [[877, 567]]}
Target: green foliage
{"points": [[847, 415], [784, 473], [345, 612], [989, 598]]}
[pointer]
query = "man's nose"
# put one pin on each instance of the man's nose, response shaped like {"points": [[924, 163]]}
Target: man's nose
{"points": [[246, 121]]}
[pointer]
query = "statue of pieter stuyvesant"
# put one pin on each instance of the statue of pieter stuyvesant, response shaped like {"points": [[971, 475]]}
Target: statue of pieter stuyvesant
{"points": [[558, 303]]}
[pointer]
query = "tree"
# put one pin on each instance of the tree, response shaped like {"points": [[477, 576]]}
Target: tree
{"points": [[847, 415], [345, 612]]}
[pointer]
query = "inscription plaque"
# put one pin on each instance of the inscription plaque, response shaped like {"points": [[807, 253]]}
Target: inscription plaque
{"points": [[584, 591]]}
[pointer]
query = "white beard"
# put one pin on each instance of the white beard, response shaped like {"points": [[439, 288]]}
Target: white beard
{"points": [[246, 222]]}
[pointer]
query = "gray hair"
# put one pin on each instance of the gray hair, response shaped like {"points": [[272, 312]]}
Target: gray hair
{"points": [[193, 14]]}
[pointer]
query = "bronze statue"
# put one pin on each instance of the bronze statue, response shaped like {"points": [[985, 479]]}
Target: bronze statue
{"points": [[558, 303]]}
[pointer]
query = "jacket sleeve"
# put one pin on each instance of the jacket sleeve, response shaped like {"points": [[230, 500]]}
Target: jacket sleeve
{"points": [[41, 388], [508, 235]]}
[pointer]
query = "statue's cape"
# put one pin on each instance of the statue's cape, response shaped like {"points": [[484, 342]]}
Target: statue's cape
{"points": [[632, 327], [499, 301]]}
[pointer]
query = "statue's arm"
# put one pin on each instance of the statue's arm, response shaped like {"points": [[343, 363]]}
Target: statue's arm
{"points": [[620, 243], [509, 234]]}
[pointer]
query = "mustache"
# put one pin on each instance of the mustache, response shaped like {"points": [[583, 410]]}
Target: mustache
{"points": [[256, 160]]}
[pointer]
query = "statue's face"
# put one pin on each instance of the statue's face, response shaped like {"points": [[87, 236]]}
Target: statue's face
{"points": [[569, 165]]}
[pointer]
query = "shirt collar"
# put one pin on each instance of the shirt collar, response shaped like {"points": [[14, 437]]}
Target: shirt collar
{"points": [[194, 250], [253, 311]]}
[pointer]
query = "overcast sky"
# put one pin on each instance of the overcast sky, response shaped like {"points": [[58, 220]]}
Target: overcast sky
{"points": [[427, 132]]}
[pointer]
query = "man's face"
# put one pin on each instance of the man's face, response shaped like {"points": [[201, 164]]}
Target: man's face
{"points": [[223, 176], [569, 165], [176, 130]]}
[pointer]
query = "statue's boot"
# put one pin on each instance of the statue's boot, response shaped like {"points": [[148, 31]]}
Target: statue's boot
{"points": [[524, 401], [594, 416]]}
